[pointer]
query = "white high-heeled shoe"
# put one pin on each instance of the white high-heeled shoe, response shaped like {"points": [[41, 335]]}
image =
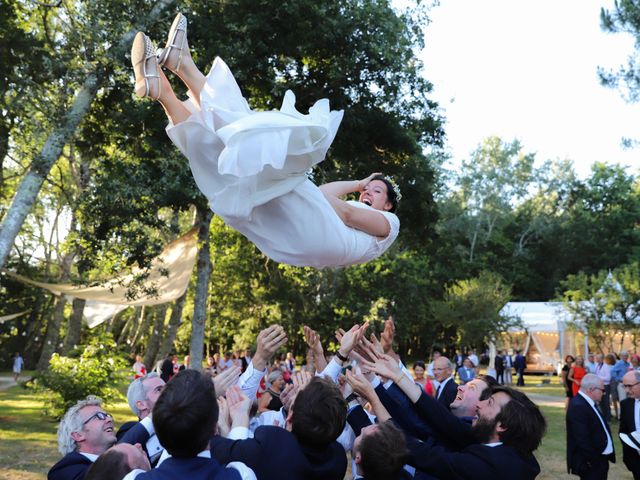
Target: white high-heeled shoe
{"points": [[145, 67], [165, 57]]}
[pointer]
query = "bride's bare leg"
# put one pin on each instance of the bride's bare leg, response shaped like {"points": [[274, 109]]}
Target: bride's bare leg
{"points": [[176, 57], [173, 107]]}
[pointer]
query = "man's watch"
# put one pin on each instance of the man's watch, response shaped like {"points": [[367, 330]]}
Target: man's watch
{"points": [[341, 357]]}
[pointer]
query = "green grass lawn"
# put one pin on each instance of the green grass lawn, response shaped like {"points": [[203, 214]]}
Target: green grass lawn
{"points": [[28, 445]]}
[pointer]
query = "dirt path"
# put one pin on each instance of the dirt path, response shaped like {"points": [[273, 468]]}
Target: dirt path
{"points": [[546, 400], [6, 382]]}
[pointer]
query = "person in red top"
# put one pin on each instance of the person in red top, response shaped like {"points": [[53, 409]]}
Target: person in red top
{"points": [[576, 373], [419, 370]]}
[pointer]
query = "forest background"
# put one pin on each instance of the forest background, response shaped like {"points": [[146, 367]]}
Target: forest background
{"points": [[90, 185]]}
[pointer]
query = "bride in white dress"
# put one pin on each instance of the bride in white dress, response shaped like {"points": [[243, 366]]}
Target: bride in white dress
{"points": [[252, 166]]}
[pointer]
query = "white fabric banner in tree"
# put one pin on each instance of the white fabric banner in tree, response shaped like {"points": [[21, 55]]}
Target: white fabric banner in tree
{"points": [[169, 276]]}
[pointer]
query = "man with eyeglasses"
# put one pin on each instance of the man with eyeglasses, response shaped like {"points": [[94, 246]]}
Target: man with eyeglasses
{"points": [[630, 421], [589, 441], [85, 432]]}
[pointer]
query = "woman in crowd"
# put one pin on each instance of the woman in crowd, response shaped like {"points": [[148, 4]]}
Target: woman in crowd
{"points": [[139, 370], [419, 375], [568, 386], [270, 400], [576, 373]]}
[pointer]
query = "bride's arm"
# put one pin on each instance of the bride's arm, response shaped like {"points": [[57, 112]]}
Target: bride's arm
{"points": [[369, 221], [338, 189]]}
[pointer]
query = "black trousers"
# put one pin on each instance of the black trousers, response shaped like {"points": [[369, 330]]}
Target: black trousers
{"points": [[598, 469]]}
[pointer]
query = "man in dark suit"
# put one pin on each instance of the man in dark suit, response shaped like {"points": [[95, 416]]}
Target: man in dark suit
{"points": [[85, 432], [446, 386], [305, 449], [630, 420], [509, 428], [589, 442], [380, 451], [184, 418], [499, 366], [142, 395], [520, 364]]}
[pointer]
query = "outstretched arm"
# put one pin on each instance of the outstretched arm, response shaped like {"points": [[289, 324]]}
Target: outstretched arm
{"points": [[368, 221]]}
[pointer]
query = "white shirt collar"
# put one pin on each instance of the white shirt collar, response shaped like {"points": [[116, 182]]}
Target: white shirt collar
{"points": [[91, 456], [494, 444]]}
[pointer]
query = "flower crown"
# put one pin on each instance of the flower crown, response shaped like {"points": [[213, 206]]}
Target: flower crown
{"points": [[395, 187]]}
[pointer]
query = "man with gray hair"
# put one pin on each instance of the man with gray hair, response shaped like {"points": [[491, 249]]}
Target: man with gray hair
{"points": [[446, 387], [142, 395], [630, 422], [85, 432], [589, 442]]}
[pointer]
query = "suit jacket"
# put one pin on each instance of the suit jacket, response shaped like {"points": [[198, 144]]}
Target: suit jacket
{"points": [[73, 466], [449, 430], [448, 393], [466, 376], [403, 411], [138, 434], [475, 462], [275, 453], [519, 363], [586, 438], [124, 428], [499, 363], [630, 456], [196, 468]]}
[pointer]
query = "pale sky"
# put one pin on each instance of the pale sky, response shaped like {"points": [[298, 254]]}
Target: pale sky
{"points": [[526, 69]]}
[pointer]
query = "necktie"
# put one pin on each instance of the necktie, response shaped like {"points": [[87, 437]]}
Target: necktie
{"points": [[438, 391]]}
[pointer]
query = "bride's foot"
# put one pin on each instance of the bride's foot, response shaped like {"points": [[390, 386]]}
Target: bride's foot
{"points": [[177, 47], [145, 67]]}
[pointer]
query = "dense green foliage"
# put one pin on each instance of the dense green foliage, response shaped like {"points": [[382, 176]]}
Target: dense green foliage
{"points": [[96, 371], [508, 225]]}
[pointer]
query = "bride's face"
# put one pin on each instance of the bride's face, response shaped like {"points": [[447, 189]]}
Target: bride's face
{"points": [[375, 195]]}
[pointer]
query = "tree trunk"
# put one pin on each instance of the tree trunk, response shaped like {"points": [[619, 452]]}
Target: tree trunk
{"points": [[30, 185], [75, 325], [42, 305], [32, 182], [172, 329], [143, 327], [202, 288], [52, 335], [154, 340], [126, 329]]}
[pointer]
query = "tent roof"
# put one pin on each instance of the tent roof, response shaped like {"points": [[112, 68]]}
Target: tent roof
{"points": [[538, 316]]}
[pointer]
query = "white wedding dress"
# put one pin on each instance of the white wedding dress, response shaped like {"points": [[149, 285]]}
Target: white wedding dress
{"points": [[252, 167]]}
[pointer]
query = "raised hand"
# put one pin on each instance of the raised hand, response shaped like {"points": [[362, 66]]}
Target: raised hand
{"points": [[386, 337], [224, 380], [269, 341], [351, 338], [383, 365], [224, 422], [365, 181], [239, 406], [360, 385]]}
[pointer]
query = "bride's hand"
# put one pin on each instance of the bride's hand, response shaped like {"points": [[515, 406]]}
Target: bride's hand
{"points": [[365, 181]]}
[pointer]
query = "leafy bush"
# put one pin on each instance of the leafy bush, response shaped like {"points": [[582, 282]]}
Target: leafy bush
{"points": [[97, 371]]}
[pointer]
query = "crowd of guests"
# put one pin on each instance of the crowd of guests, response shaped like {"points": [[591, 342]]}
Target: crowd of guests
{"points": [[219, 423], [593, 387]]}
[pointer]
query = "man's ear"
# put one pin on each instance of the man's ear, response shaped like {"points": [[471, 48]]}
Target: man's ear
{"points": [[500, 428], [77, 436], [358, 458]]}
